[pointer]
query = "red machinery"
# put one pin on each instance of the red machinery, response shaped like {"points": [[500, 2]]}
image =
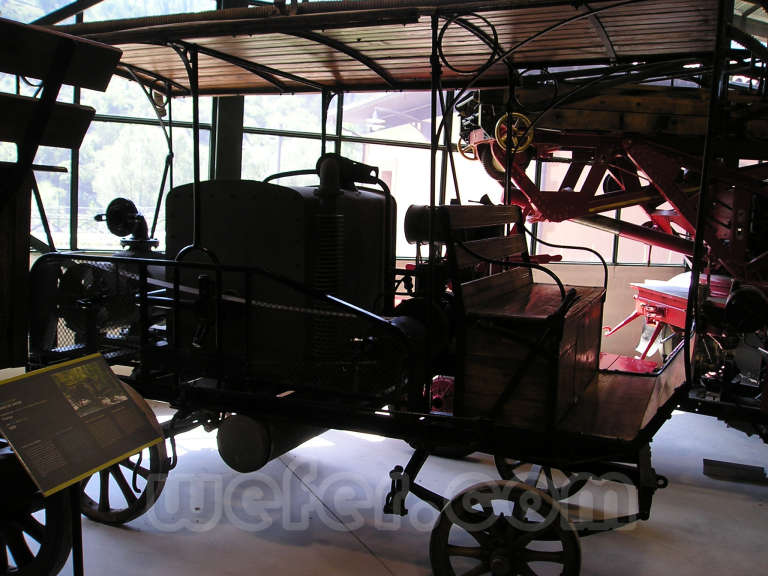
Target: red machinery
{"points": [[643, 145], [652, 158]]}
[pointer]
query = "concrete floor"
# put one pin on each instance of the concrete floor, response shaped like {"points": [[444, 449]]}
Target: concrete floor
{"points": [[317, 510]]}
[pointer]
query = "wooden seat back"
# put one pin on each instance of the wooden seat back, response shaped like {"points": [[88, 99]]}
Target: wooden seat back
{"points": [[473, 235], [32, 51], [54, 59]]}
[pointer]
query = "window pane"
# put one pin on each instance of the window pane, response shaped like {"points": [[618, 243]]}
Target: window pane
{"points": [[402, 116], [572, 234], [633, 252], [126, 98], [123, 160], [8, 152], [112, 9], [54, 191], [406, 172], [122, 98], [267, 155], [29, 10], [299, 112], [182, 109], [7, 83], [183, 160], [30, 86], [474, 182]]}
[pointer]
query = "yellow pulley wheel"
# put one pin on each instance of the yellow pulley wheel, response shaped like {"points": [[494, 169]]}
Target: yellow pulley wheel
{"points": [[466, 150], [521, 136]]}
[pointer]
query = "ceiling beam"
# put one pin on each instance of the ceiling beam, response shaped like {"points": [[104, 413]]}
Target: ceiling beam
{"points": [[749, 42], [148, 75], [751, 26], [266, 72], [370, 63]]}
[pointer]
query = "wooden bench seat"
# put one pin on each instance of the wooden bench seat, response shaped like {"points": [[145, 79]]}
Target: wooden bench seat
{"points": [[534, 302]]}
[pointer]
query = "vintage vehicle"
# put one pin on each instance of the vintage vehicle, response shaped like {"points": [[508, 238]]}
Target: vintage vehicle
{"points": [[302, 320]]}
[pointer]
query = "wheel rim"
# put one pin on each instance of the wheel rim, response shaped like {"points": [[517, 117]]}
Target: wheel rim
{"points": [[36, 538], [504, 528], [559, 484], [125, 490]]}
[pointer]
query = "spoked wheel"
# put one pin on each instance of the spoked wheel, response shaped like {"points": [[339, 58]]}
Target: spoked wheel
{"points": [[127, 489], [504, 528], [521, 135], [36, 535], [557, 483]]}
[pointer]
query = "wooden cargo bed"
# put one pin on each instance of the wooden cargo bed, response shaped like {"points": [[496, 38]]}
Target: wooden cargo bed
{"points": [[621, 405]]}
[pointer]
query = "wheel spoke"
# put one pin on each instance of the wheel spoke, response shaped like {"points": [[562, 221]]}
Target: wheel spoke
{"points": [[514, 466], [103, 491], [140, 470], [35, 529], [517, 540], [523, 539], [533, 475], [122, 483], [19, 550], [467, 551], [551, 488], [469, 521]]}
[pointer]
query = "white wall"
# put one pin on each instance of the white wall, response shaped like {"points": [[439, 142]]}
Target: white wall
{"points": [[619, 302]]}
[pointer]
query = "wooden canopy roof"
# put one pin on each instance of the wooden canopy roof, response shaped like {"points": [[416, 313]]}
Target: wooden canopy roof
{"points": [[386, 44]]}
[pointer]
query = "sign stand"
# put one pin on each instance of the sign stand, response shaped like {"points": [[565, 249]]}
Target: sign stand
{"points": [[77, 531], [67, 422]]}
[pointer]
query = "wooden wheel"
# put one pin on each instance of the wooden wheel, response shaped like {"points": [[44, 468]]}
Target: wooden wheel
{"points": [[521, 136], [111, 496], [35, 535], [503, 528], [557, 483]]}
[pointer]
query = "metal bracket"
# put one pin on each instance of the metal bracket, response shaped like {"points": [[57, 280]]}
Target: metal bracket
{"points": [[395, 501]]}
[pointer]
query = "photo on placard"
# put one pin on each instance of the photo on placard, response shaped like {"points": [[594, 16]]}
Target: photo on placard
{"points": [[87, 391]]}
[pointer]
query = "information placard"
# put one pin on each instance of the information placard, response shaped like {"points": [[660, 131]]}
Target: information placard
{"points": [[70, 420]]}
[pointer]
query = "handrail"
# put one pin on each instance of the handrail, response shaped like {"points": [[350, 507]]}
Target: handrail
{"points": [[565, 247], [531, 265]]}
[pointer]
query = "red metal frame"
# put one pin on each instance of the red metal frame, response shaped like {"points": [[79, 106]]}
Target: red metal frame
{"points": [[646, 173]]}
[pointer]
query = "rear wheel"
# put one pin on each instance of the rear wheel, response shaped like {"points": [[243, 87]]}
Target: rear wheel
{"points": [[125, 490]]}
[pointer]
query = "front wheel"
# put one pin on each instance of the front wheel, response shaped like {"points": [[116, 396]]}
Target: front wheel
{"points": [[505, 529], [559, 484]]}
